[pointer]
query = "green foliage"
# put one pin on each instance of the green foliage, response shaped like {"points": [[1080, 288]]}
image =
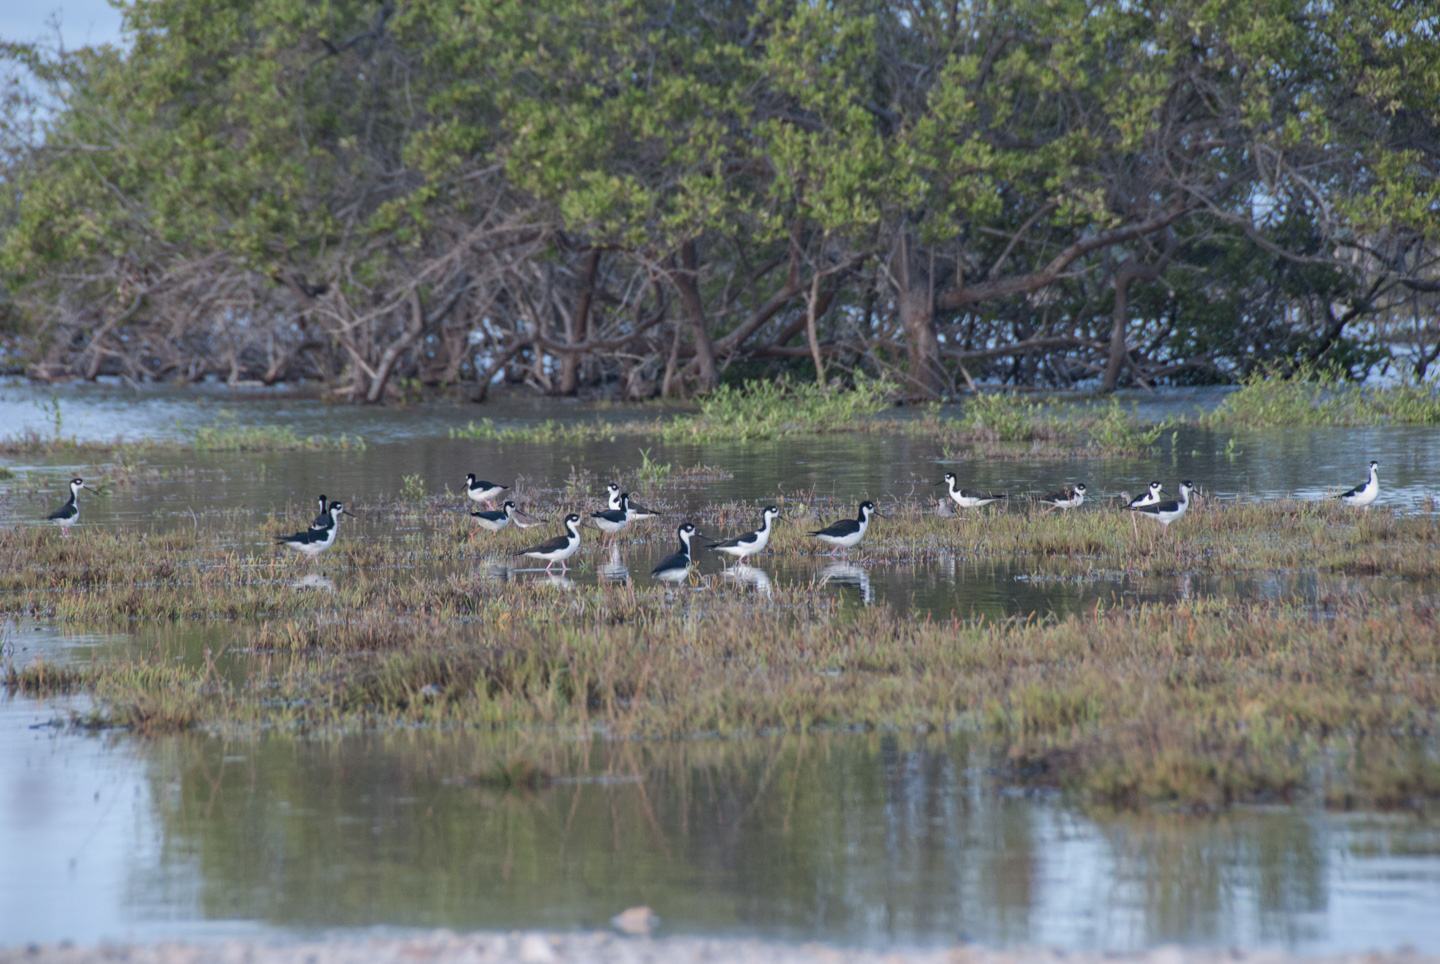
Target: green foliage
{"points": [[226, 435], [1114, 431], [774, 409], [273, 141], [755, 410], [1001, 417], [1013, 417], [412, 488], [652, 473], [1313, 396]]}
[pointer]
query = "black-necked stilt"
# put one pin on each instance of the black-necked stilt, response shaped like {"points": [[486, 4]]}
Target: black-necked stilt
{"points": [[323, 520], [481, 491], [635, 510], [612, 521], [69, 513], [1168, 511], [312, 542], [1360, 496], [524, 520], [1151, 496], [1070, 497], [968, 498], [847, 532], [559, 548], [493, 521], [676, 566], [751, 542]]}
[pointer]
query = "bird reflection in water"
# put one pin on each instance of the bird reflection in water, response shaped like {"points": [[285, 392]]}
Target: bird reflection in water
{"points": [[555, 580], [313, 581], [847, 574], [613, 570], [750, 577]]}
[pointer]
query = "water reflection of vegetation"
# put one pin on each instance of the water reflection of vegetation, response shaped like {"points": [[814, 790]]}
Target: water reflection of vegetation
{"points": [[864, 838]]}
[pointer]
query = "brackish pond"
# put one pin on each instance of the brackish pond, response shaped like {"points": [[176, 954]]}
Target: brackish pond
{"points": [[881, 839], [878, 839], [829, 473]]}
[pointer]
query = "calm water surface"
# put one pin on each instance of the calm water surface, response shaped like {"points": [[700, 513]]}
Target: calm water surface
{"points": [[877, 839]]}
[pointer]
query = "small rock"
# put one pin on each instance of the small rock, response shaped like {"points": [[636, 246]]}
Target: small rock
{"points": [[635, 920], [535, 949]]}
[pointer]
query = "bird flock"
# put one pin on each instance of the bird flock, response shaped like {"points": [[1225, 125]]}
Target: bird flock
{"points": [[621, 511]]}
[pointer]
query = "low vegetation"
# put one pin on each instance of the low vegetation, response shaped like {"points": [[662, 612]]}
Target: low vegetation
{"points": [[771, 410], [1193, 704], [1320, 397]]}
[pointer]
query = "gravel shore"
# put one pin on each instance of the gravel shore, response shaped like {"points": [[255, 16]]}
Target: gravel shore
{"points": [[606, 948]]}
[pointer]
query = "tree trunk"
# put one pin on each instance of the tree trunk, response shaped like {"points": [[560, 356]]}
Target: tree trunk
{"points": [[916, 302], [578, 330], [1118, 347], [1131, 271], [687, 281]]}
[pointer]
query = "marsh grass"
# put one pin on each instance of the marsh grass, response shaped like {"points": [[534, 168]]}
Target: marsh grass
{"points": [[1314, 396], [1195, 705], [1000, 421], [754, 411], [770, 410], [1198, 705]]}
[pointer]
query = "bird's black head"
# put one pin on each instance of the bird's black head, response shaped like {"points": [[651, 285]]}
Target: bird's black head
{"points": [[509, 504], [470, 478]]}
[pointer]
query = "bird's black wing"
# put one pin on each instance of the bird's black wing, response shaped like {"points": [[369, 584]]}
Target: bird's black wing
{"points": [[673, 561], [549, 545], [748, 539], [844, 527]]}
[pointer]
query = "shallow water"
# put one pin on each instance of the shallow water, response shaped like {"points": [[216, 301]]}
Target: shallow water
{"points": [[877, 840], [830, 473]]}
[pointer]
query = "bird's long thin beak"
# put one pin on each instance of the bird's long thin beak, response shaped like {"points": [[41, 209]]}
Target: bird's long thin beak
{"points": [[941, 482]]}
